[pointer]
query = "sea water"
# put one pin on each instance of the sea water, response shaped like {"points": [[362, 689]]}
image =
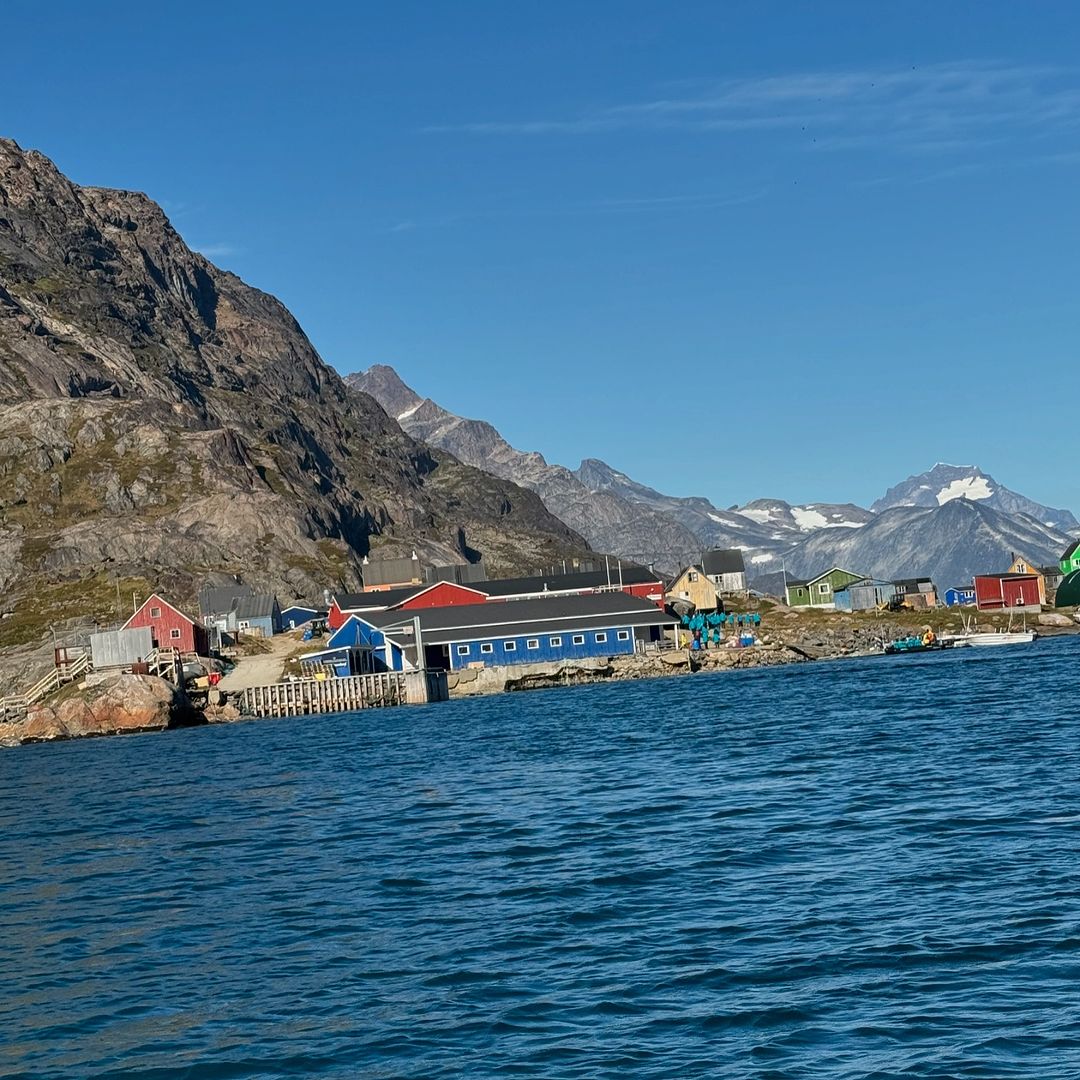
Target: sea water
{"points": [[866, 868]]}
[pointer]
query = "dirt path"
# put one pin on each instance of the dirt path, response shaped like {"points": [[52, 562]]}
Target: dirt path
{"points": [[263, 668]]}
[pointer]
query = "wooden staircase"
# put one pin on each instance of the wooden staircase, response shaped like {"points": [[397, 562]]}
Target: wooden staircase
{"points": [[163, 662], [17, 705]]}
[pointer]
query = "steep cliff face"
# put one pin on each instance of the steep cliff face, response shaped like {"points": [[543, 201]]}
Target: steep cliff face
{"points": [[162, 420]]}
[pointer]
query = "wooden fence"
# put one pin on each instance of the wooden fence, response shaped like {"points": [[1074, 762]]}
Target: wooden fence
{"points": [[306, 697]]}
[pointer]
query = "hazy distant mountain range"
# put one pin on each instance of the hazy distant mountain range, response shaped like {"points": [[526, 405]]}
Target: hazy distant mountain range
{"points": [[949, 522]]}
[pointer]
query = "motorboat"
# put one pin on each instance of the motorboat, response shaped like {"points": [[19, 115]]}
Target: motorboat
{"points": [[1003, 637], [904, 646]]}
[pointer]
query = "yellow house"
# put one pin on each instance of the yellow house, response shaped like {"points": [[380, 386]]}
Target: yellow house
{"points": [[1020, 565], [693, 586]]}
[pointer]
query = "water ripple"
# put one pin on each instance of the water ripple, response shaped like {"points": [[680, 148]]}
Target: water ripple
{"points": [[850, 870]]}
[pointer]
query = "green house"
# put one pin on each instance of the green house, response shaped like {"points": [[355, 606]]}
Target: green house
{"points": [[1070, 561], [820, 591]]}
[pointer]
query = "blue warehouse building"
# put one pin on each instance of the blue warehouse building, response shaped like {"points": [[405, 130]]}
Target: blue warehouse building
{"points": [[541, 629], [357, 648]]}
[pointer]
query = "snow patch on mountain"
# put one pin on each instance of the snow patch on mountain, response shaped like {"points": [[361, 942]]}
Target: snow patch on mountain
{"points": [[808, 518], [760, 516], [967, 487]]}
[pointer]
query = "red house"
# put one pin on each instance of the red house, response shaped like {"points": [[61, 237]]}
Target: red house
{"points": [[170, 627], [1007, 592]]}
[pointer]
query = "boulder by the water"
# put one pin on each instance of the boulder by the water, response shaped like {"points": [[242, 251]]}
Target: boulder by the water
{"points": [[124, 703]]}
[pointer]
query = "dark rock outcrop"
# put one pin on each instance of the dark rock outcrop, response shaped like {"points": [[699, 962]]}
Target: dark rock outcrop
{"points": [[162, 419], [125, 703]]}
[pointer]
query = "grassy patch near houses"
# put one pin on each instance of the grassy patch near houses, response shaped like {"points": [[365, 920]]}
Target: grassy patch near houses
{"points": [[52, 605]]}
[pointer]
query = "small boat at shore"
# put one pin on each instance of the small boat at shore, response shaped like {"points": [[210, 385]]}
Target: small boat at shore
{"points": [[972, 636], [908, 645], [1003, 637]]}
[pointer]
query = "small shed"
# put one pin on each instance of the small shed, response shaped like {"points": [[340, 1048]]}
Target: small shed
{"points": [[869, 594], [1007, 592], [120, 648]]}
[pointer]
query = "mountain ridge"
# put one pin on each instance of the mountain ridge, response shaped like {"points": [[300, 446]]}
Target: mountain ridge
{"points": [[770, 532], [164, 422]]}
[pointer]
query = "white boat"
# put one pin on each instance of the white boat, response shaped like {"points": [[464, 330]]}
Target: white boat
{"points": [[1005, 637], [1009, 636]]}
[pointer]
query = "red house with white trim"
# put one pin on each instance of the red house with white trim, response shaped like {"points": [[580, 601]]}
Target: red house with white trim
{"points": [[1007, 592], [170, 627]]}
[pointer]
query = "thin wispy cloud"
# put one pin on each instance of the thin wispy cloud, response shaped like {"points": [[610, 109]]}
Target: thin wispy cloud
{"points": [[216, 251], [937, 108], [646, 204]]}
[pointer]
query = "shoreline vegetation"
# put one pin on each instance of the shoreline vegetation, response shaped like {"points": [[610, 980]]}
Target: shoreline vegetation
{"points": [[135, 703]]}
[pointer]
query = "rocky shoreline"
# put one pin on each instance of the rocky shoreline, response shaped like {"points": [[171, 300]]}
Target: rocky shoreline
{"points": [[133, 703], [114, 706]]}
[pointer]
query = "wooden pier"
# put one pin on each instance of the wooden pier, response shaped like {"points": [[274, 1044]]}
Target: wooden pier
{"points": [[307, 697]]}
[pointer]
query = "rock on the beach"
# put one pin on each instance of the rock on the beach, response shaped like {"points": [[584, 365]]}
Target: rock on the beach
{"points": [[124, 703], [1052, 618]]}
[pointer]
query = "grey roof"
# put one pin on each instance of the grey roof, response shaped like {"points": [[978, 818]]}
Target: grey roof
{"points": [[556, 583], [391, 571], [1070, 551], [258, 606], [219, 600], [912, 582], [795, 581], [377, 599], [723, 561], [865, 583], [552, 614]]}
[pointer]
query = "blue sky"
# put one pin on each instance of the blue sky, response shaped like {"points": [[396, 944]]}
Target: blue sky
{"points": [[738, 249]]}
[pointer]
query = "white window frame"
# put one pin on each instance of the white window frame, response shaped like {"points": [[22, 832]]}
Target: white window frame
{"points": [[823, 589], [155, 613], [601, 637], [174, 633], [464, 650], [487, 648], [578, 639], [509, 646], [555, 642], [532, 643], [622, 635]]}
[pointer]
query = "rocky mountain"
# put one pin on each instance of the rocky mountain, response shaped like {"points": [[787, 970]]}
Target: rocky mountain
{"points": [[608, 521], [797, 521], [949, 543], [945, 483], [711, 526], [163, 421], [950, 522]]}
